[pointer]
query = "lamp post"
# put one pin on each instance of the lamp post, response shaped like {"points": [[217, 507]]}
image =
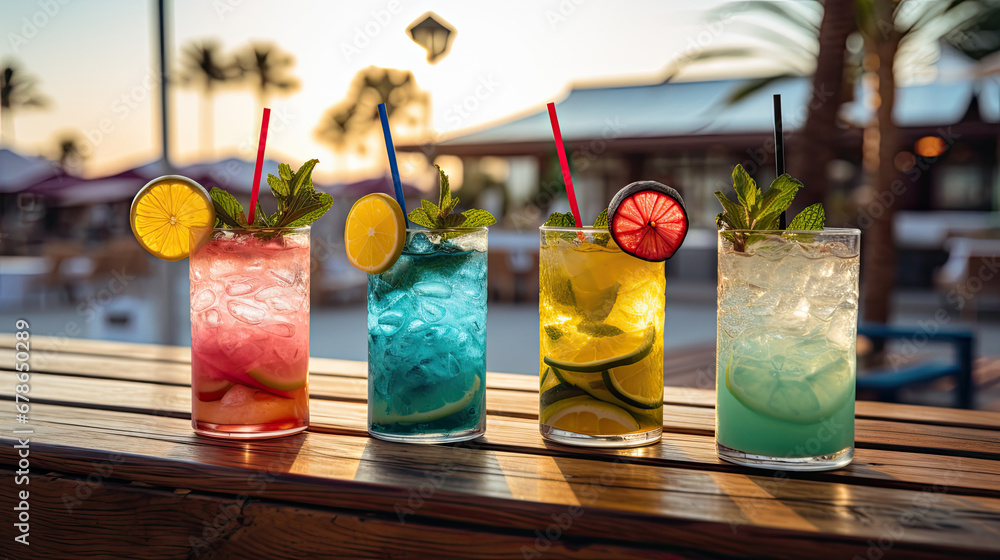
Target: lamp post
{"points": [[432, 33]]}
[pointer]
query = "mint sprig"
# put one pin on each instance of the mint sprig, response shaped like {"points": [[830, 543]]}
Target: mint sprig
{"points": [[441, 216], [761, 211], [298, 202]]}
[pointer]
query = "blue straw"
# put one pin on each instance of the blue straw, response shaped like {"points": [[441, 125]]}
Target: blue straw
{"points": [[392, 160]]}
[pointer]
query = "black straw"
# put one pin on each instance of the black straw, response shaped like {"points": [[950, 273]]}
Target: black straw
{"points": [[779, 148]]}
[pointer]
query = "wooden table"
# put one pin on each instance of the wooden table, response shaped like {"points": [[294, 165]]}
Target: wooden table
{"points": [[116, 472]]}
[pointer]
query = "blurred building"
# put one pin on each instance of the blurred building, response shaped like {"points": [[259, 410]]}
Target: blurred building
{"points": [[688, 135]]}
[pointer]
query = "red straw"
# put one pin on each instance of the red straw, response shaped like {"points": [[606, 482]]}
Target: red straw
{"points": [[260, 161], [565, 165]]}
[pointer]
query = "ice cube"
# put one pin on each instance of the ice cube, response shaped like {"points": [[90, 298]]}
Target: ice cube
{"points": [[279, 328], [202, 300], [285, 277], [276, 298], [211, 318], [389, 322], [432, 312], [420, 244], [246, 313], [242, 285], [433, 289]]}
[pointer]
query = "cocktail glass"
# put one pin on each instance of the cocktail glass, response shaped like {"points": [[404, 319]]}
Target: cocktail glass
{"points": [[601, 313], [427, 339], [787, 327], [250, 332]]}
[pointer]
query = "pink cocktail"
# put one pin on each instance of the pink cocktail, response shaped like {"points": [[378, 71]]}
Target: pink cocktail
{"points": [[250, 333]]}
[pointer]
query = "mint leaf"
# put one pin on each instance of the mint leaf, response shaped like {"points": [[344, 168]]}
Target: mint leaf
{"points": [[733, 214], [260, 218], [809, 219], [478, 218], [228, 210], [746, 189], [444, 199], [602, 219], [309, 213], [279, 186], [452, 221], [419, 216], [302, 180], [440, 216], [599, 329], [285, 171], [777, 199], [430, 208], [559, 219], [553, 332]]}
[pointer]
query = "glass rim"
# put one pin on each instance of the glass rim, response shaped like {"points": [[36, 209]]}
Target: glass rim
{"points": [[447, 230], [581, 229], [824, 231], [296, 229]]}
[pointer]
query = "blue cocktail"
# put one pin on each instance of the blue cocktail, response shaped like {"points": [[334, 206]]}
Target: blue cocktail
{"points": [[427, 339]]}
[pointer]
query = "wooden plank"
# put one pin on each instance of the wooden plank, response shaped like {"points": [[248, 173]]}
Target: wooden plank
{"points": [[175, 401], [327, 382], [121, 520], [639, 504], [976, 476]]}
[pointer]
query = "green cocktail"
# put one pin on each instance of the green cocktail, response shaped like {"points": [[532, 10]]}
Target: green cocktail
{"points": [[787, 325]]}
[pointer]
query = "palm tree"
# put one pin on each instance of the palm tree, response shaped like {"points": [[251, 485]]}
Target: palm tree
{"points": [[269, 67], [205, 67], [890, 29], [357, 115], [70, 152], [17, 90]]}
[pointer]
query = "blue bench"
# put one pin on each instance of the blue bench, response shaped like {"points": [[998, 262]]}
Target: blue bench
{"points": [[888, 382]]}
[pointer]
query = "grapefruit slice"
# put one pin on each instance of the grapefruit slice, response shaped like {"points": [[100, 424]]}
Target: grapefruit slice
{"points": [[648, 220]]}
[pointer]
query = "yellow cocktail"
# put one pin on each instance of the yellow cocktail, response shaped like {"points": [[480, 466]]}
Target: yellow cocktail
{"points": [[601, 335]]}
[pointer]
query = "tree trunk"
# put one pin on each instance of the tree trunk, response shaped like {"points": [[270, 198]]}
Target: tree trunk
{"points": [[207, 124], [813, 149], [880, 147], [7, 128]]}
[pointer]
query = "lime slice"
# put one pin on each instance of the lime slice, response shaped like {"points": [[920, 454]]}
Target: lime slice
{"points": [[587, 415], [580, 352], [797, 381], [638, 384], [599, 386], [382, 416], [374, 233]]}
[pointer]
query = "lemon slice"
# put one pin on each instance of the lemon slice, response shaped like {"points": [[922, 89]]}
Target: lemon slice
{"points": [[381, 414], [165, 212], [593, 354], [586, 415], [375, 233]]}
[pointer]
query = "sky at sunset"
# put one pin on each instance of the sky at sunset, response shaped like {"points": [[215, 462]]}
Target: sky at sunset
{"points": [[95, 63]]}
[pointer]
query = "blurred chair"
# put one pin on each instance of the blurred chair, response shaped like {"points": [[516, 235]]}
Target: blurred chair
{"points": [[887, 382], [970, 272]]}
